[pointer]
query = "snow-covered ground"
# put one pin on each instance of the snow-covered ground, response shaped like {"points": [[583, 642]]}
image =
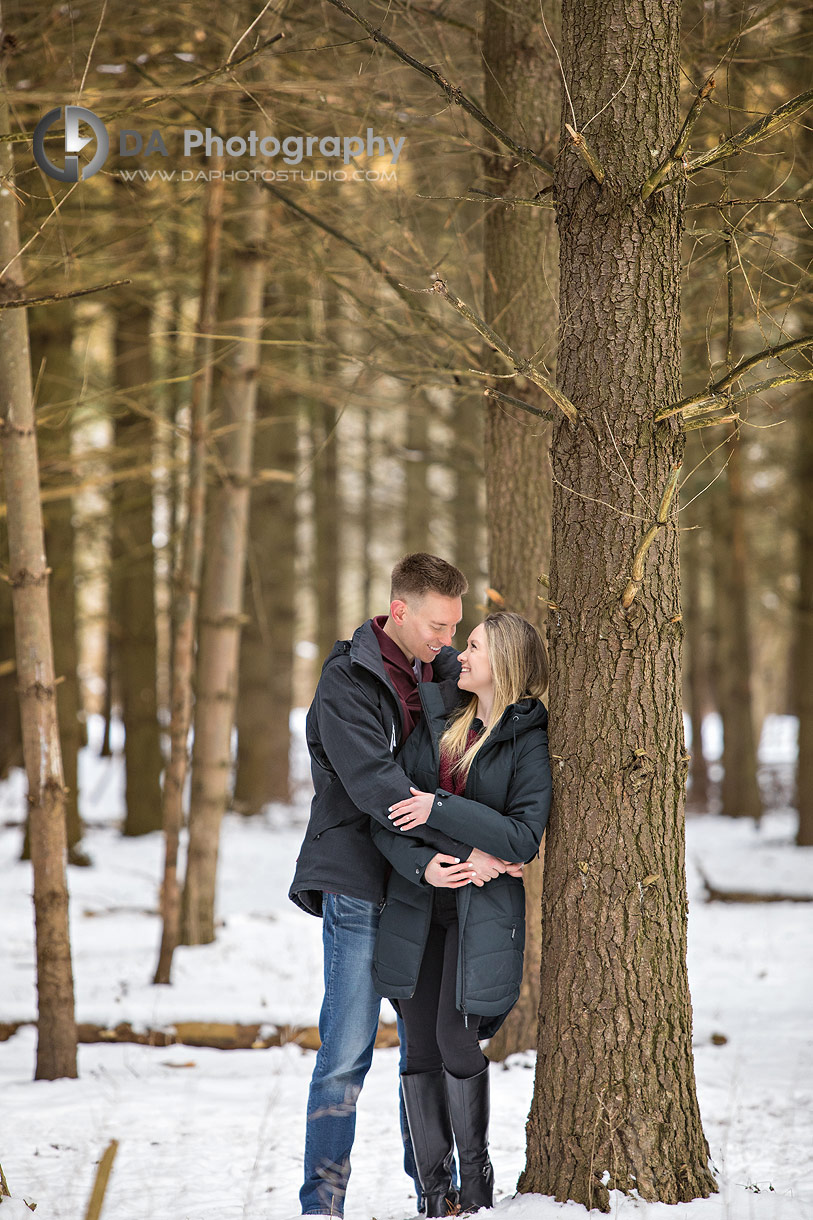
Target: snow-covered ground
{"points": [[216, 1135]]}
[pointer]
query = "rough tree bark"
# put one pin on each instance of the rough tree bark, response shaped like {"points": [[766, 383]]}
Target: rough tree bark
{"points": [[28, 577], [222, 588], [614, 1104], [521, 79]]}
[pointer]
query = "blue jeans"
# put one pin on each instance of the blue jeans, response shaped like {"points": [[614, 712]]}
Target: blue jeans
{"points": [[348, 1024]]}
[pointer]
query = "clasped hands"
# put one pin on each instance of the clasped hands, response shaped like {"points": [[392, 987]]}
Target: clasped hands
{"points": [[442, 871]]}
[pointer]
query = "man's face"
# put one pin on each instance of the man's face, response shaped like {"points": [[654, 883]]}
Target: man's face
{"points": [[426, 624]]}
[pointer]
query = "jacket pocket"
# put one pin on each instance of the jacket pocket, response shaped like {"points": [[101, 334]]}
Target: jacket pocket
{"points": [[330, 809]]}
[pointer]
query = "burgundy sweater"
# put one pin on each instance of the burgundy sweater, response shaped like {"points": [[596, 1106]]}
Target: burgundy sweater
{"points": [[402, 675]]}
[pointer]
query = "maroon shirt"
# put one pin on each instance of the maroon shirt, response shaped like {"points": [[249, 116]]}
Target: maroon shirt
{"points": [[448, 779], [402, 675]]}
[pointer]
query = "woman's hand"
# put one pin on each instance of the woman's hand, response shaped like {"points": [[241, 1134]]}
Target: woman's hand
{"points": [[414, 811], [447, 872]]}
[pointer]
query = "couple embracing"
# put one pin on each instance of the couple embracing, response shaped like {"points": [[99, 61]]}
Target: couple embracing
{"points": [[432, 790]]}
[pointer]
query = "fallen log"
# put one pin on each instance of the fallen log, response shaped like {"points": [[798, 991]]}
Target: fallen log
{"points": [[220, 1035], [713, 894]]}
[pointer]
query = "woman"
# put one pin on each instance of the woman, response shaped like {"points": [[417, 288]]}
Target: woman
{"points": [[449, 947]]}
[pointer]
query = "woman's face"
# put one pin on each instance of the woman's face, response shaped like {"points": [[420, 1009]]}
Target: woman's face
{"points": [[475, 673]]}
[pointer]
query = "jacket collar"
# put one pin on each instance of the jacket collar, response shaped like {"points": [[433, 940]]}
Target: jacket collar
{"points": [[441, 698], [365, 650]]}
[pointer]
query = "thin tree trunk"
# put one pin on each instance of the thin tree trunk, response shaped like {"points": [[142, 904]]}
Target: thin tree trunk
{"points": [[614, 1103], [11, 742], [416, 517], [133, 598], [51, 335], [367, 519], [28, 577], [520, 285], [325, 481], [804, 622], [187, 585], [739, 792], [466, 461], [267, 641], [740, 796], [223, 577], [696, 684]]}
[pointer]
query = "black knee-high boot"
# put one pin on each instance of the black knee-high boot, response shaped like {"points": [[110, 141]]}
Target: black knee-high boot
{"points": [[430, 1127], [469, 1109]]}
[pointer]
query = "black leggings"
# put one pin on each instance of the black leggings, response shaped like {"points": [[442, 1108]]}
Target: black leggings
{"points": [[436, 1033]]}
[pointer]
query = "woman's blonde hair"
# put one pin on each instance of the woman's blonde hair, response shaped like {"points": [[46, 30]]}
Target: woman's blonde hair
{"points": [[519, 669]]}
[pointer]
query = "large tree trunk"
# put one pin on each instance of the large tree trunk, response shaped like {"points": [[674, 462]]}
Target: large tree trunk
{"points": [[187, 583], [28, 577], [520, 285], [133, 599], [614, 1104], [804, 621], [223, 577]]}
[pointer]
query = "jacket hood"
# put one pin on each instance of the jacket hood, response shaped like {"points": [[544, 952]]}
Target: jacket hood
{"points": [[440, 699]]}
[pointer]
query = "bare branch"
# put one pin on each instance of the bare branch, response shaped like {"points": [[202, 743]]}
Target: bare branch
{"points": [[681, 143], [498, 396], [23, 302], [376, 264], [587, 153], [635, 581], [490, 197], [748, 203], [716, 393], [24, 137], [522, 366], [692, 425], [768, 125], [453, 94]]}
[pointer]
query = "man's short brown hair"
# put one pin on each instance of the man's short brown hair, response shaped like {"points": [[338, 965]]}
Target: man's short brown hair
{"points": [[419, 573]]}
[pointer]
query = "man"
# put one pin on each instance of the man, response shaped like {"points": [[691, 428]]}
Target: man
{"points": [[364, 707]]}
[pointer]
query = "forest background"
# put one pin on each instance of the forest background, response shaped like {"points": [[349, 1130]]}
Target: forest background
{"points": [[252, 387]]}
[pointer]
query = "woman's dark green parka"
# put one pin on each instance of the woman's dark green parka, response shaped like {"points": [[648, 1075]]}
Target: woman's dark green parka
{"points": [[504, 811]]}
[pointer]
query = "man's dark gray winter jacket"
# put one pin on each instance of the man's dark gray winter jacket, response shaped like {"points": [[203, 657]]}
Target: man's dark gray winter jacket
{"points": [[354, 730]]}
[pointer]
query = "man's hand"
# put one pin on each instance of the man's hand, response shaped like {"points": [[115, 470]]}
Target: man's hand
{"points": [[514, 870], [408, 814], [448, 873], [484, 866]]}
